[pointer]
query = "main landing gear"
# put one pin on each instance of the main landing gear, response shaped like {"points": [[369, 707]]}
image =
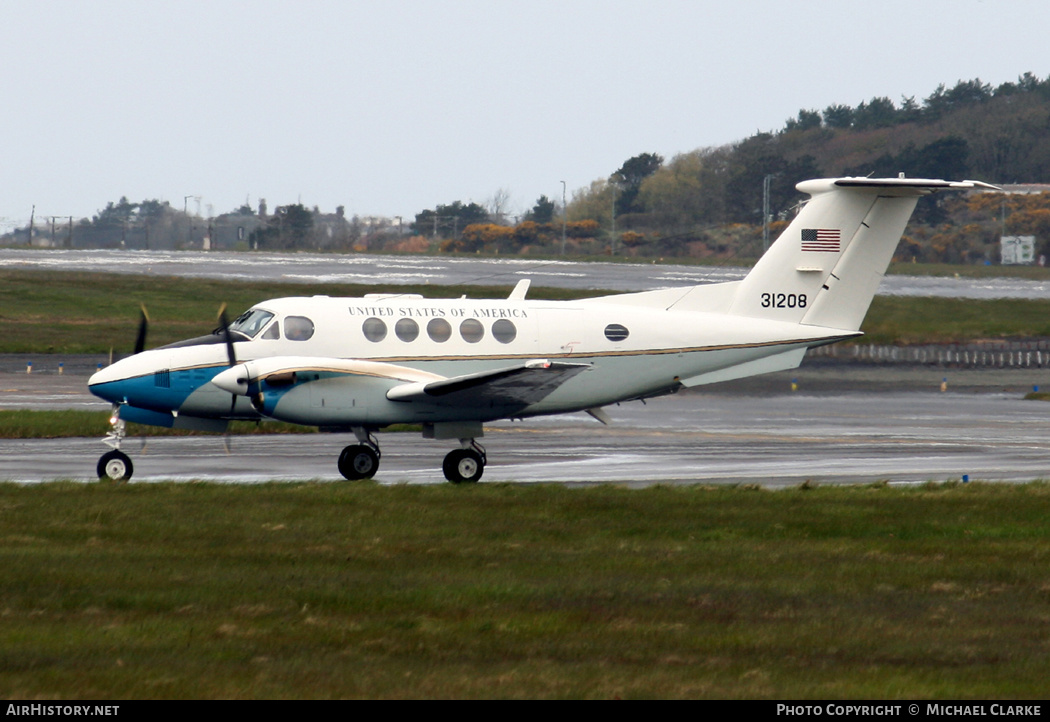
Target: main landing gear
{"points": [[465, 464], [361, 460]]}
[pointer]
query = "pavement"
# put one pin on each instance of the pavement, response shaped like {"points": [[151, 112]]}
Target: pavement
{"points": [[826, 422]]}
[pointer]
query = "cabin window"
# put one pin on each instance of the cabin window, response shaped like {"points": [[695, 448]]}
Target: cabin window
{"points": [[251, 322], [616, 332], [273, 333], [406, 329], [471, 330], [439, 330], [504, 331], [298, 328], [374, 329]]}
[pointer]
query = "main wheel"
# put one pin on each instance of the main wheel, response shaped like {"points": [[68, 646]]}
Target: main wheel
{"points": [[463, 465], [358, 462], [115, 466]]}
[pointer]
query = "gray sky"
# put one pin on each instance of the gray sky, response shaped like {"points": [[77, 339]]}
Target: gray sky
{"points": [[389, 107]]}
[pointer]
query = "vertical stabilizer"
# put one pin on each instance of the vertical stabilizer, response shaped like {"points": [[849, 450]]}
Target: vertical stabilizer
{"points": [[825, 267]]}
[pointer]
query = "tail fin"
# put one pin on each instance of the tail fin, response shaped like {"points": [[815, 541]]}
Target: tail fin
{"points": [[825, 267]]}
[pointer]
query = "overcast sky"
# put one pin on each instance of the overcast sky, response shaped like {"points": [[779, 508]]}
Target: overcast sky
{"points": [[389, 107]]}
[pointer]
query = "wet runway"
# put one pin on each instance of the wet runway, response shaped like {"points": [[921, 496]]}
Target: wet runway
{"points": [[447, 270], [778, 439]]}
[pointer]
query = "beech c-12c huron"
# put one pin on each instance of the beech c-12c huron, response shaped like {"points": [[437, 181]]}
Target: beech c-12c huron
{"points": [[360, 364]]}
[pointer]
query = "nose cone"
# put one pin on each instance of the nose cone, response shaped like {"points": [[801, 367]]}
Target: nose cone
{"points": [[102, 376], [108, 384], [125, 379], [234, 380]]}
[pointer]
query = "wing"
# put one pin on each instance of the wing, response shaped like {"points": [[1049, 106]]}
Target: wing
{"points": [[520, 386], [514, 386]]}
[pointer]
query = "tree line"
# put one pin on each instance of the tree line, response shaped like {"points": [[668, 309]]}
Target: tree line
{"points": [[713, 201], [717, 201]]}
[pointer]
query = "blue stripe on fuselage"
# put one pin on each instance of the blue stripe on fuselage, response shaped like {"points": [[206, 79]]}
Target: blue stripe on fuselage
{"points": [[162, 391]]}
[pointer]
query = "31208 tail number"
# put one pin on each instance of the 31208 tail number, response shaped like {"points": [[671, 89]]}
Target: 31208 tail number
{"points": [[783, 300]]}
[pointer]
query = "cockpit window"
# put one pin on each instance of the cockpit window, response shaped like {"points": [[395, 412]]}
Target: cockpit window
{"points": [[273, 333], [251, 322]]}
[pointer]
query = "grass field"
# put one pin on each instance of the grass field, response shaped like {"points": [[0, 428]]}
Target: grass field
{"points": [[355, 590], [903, 320], [61, 312], [327, 590]]}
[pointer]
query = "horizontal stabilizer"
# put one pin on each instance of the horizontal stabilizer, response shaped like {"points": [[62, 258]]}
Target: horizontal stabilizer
{"points": [[769, 364], [920, 184]]}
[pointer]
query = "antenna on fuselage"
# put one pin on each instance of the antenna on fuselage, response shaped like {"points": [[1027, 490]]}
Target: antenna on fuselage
{"points": [[520, 289]]}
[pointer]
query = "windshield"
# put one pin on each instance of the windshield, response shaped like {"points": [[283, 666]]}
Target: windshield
{"points": [[251, 322]]}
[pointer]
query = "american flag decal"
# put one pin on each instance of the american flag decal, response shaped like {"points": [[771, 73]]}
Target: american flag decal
{"points": [[821, 240]]}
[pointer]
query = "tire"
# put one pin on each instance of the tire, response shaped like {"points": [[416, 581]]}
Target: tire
{"points": [[115, 466], [463, 466], [358, 462]]}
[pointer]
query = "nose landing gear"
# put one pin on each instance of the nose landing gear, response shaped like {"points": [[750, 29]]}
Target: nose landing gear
{"points": [[115, 465]]}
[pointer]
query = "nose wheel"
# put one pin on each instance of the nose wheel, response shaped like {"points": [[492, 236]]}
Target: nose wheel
{"points": [[465, 465], [115, 465]]}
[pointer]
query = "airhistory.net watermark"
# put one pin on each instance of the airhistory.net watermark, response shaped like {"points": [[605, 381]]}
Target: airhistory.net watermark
{"points": [[62, 710]]}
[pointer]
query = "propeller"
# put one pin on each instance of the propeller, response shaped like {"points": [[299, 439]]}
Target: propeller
{"points": [[231, 354], [140, 339], [224, 325]]}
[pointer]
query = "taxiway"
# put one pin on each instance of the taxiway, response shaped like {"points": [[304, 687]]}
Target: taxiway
{"points": [[844, 424]]}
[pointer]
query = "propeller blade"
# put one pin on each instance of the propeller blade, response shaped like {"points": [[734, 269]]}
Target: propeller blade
{"points": [[231, 355], [140, 339]]}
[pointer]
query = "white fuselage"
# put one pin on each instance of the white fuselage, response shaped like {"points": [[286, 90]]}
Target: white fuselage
{"points": [[632, 352]]}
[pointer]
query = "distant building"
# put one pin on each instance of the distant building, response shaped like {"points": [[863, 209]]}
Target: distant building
{"points": [[231, 230]]}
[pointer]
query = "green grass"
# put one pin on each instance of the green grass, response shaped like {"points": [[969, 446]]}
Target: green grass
{"points": [[69, 312], [63, 312], [326, 590], [907, 320]]}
